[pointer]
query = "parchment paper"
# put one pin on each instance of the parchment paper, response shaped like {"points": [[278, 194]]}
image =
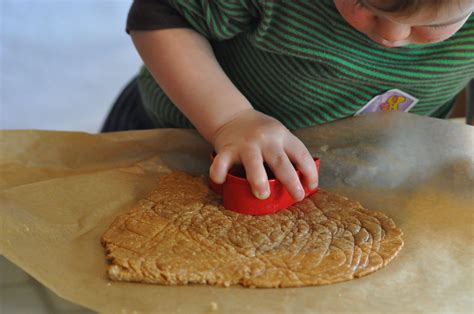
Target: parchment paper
{"points": [[60, 191]]}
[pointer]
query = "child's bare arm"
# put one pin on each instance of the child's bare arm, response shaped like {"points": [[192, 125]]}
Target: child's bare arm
{"points": [[183, 63]]}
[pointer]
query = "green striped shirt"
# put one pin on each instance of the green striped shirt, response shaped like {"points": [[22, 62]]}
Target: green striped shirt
{"points": [[300, 62]]}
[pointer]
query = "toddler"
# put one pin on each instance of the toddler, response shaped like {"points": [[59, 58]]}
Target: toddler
{"points": [[246, 72]]}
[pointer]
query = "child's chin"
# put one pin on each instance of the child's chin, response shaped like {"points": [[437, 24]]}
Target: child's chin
{"points": [[392, 45], [389, 44]]}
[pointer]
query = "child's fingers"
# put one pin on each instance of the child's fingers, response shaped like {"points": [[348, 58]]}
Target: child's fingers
{"points": [[256, 175], [221, 165], [300, 156], [286, 173]]}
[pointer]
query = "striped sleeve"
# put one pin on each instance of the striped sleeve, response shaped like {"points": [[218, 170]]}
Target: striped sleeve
{"points": [[219, 19], [152, 15]]}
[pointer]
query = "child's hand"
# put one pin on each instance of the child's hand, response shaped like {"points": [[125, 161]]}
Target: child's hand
{"points": [[177, 58], [252, 138]]}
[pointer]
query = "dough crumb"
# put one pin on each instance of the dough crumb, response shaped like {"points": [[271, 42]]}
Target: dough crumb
{"points": [[213, 306], [324, 148]]}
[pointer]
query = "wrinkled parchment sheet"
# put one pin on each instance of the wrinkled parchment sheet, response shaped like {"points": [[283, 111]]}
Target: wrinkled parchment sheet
{"points": [[61, 190]]}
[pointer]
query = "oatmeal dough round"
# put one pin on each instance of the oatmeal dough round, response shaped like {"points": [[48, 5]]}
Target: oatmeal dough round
{"points": [[181, 234]]}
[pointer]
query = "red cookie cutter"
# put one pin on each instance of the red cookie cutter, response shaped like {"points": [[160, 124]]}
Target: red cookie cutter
{"points": [[237, 194]]}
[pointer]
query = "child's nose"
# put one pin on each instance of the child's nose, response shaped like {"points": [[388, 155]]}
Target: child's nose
{"points": [[391, 31]]}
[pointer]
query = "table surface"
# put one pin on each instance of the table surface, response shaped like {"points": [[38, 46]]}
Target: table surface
{"points": [[21, 293]]}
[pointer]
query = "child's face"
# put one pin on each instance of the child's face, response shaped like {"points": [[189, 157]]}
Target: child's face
{"points": [[390, 30]]}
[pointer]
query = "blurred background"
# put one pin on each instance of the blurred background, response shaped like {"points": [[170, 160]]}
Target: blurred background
{"points": [[62, 64]]}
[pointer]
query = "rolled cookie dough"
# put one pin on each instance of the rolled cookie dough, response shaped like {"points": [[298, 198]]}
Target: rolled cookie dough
{"points": [[180, 234]]}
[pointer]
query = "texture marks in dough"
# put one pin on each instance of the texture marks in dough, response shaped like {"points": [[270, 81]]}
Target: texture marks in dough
{"points": [[180, 234]]}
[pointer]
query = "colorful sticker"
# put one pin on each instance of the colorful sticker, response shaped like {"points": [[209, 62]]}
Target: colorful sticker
{"points": [[392, 100]]}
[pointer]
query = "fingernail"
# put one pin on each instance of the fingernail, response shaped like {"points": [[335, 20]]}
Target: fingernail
{"points": [[263, 195], [217, 180], [313, 185], [299, 193]]}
